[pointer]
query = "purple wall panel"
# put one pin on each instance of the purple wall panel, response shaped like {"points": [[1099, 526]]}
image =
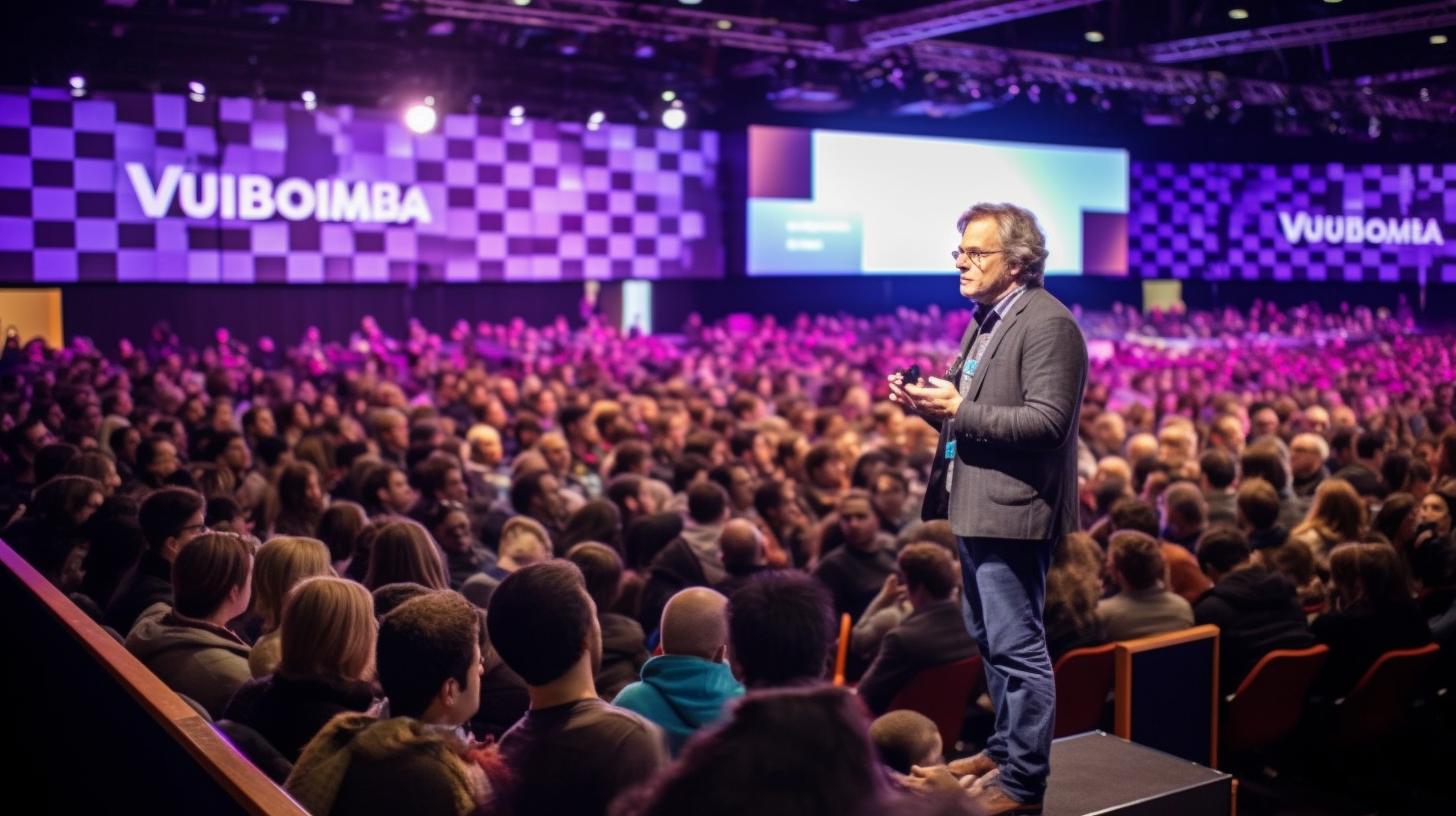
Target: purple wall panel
{"points": [[1292, 222], [503, 201]]}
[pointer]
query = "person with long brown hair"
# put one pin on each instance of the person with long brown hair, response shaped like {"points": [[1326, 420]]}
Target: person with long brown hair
{"points": [[1336, 516], [301, 501], [1373, 612], [188, 644], [1074, 585], [403, 551], [326, 666]]}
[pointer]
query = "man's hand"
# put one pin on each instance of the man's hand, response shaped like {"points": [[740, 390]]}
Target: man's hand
{"points": [[937, 401], [898, 394], [932, 779]]}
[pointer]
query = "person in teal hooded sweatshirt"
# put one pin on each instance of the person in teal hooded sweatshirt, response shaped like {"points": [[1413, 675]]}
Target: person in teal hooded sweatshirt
{"points": [[687, 686]]}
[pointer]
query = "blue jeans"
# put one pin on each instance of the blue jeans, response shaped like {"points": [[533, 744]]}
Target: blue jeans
{"points": [[1004, 588]]}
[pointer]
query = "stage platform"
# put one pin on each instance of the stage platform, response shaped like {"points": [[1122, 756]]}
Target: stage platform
{"points": [[1097, 773]]}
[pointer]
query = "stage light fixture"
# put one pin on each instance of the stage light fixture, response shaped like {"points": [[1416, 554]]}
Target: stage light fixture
{"points": [[310, 100], [691, 2], [522, 2], [1439, 39], [421, 117], [518, 115], [674, 118], [668, 96], [78, 85], [724, 25], [195, 87], [1238, 14], [594, 122], [1094, 36]]}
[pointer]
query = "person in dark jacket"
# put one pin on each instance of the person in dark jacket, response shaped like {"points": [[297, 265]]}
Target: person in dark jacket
{"points": [[1254, 607], [624, 648], [169, 518], [328, 650], [933, 634], [1374, 613], [677, 567], [855, 572]]}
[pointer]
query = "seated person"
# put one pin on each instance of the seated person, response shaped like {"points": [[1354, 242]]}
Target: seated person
{"points": [[1143, 605], [429, 667], [1073, 588], [786, 751], [856, 571], [1181, 574], [168, 518], [188, 644], [325, 665], [573, 752], [780, 631], [624, 648], [932, 635], [1374, 612], [1254, 607], [905, 739], [686, 687]]}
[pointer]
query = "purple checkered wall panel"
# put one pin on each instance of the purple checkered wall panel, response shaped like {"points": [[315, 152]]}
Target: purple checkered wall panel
{"points": [[1235, 222], [491, 200]]}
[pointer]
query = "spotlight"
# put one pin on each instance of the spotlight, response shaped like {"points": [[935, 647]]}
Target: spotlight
{"points": [[668, 96], [421, 117], [196, 88], [522, 2], [1093, 36], [691, 2], [1238, 14], [598, 117], [78, 86], [1439, 39], [724, 25], [674, 118], [310, 100], [517, 111]]}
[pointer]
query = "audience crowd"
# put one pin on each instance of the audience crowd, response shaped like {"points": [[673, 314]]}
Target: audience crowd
{"points": [[575, 571]]}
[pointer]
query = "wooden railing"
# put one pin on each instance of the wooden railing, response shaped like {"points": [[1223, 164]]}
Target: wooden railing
{"points": [[95, 729]]}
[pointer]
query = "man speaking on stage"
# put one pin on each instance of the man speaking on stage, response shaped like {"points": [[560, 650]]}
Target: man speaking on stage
{"points": [[1005, 475]]}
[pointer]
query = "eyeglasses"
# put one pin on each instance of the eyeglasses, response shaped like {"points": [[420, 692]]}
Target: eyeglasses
{"points": [[977, 256]]}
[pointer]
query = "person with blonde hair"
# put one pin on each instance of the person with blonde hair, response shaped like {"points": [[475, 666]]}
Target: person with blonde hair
{"points": [[1336, 516], [326, 668], [281, 563], [523, 542], [404, 552]]}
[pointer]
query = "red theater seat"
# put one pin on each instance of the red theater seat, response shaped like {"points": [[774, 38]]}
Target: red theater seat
{"points": [[942, 693], [1265, 708], [1084, 678]]}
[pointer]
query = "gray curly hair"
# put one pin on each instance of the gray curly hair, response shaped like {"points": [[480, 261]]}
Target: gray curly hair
{"points": [[1022, 241]]}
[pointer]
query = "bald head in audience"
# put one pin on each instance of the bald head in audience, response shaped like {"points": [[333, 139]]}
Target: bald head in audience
{"points": [[695, 624], [741, 544]]}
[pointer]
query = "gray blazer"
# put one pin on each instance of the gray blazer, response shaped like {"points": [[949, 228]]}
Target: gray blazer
{"points": [[1016, 432]]}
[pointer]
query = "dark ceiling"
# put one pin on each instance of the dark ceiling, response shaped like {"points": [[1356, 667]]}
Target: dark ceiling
{"points": [[562, 58]]}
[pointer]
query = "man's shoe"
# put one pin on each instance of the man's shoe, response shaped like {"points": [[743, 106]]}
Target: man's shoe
{"points": [[993, 800], [978, 765]]}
